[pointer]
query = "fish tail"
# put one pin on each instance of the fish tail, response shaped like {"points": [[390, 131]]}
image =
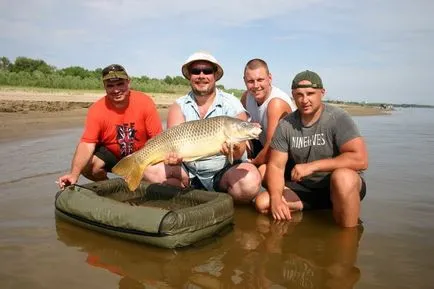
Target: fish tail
{"points": [[130, 170]]}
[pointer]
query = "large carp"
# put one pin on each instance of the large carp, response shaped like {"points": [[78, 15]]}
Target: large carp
{"points": [[191, 140]]}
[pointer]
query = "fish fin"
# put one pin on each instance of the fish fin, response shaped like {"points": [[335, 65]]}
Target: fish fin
{"points": [[192, 159], [231, 153], [130, 170]]}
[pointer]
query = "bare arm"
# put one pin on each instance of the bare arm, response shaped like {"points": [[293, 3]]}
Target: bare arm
{"points": [[174, 116], [244, 98], [242, 116], [82, 156], [274, 177], [353, 155], [240, 148], [277, 109], [152, 121]]}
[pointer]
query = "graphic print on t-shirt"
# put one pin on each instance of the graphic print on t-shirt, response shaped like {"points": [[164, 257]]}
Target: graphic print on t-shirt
{"points": [[299, 142], [126, 135]]}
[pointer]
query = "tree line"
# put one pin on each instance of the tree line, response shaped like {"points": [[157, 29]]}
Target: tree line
{"points": [[28, 72]]}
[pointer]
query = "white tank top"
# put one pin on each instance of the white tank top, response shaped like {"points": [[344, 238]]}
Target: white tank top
{"points": [[259, 113]]}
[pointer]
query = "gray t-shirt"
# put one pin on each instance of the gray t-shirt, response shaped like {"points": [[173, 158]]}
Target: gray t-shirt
{"points": [[318, 141]]}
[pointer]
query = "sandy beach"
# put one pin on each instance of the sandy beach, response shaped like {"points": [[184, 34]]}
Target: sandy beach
{"points": [[27, 113]]}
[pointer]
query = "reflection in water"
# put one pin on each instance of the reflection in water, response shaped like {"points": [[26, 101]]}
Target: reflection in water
{"points": [[395, 251], [313, 257], [259, 253], [138, 265]]}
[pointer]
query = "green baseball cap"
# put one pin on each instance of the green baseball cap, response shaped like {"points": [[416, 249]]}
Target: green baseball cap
{"points": [[114, 72], [308, 75]]}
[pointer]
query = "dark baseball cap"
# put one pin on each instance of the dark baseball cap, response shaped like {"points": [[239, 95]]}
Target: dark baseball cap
{"points": [[308, 75], [114, 72]]}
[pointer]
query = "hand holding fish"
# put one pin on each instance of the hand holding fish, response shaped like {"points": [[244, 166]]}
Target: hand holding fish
{"points": [[188, 141], [172, 159], [236, 149]]}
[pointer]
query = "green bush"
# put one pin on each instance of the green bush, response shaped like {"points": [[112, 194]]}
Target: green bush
{"points": [[27, 72]]}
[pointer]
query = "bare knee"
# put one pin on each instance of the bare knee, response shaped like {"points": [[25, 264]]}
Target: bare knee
{"points": [[251, 183], [244, 189], [155, 174], [262, 203], [95, 171], [344, 183], [262, 168], [345, 196], [165, 174]]}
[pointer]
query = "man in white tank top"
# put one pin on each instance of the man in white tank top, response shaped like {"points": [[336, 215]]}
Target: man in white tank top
{"points": [[266, 105]]}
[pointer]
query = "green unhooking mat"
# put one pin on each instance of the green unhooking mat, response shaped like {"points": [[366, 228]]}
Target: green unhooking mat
{"points": [[157, 214]]}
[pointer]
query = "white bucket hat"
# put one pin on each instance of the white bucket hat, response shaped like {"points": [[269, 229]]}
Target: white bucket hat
{"points": [[204, 56]]}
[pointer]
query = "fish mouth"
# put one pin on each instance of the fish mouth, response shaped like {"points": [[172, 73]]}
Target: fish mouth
{"points": [[251, 134], [255, 132]]}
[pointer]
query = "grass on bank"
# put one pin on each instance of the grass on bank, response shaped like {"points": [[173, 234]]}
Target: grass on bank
{"points": [[178, 92]]}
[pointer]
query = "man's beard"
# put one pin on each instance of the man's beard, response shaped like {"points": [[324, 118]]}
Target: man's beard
{"points": [[203, 92]]}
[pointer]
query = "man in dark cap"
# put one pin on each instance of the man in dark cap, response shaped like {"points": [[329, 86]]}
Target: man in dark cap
{"points": [[117, 125], [329, 155]]}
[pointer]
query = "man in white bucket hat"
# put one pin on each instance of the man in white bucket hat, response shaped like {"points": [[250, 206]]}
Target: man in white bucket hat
{"points": [[241, 179], [203, 56]]}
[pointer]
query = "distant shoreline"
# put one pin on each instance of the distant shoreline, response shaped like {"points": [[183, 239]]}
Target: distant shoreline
{"points": [[27, 113]]}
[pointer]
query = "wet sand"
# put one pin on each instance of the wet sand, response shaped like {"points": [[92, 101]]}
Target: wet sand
{"points": [[26, 114]]}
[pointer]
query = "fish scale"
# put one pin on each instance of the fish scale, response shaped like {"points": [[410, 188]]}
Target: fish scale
{"points": [[190, 140]]}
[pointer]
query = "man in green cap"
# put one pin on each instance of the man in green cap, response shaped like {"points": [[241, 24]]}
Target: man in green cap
{"points": [[329, 155], [118, 124]]}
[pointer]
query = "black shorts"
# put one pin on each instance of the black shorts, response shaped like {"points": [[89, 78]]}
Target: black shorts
{"points": [[256, 147], [317, 199], [106, 156]]}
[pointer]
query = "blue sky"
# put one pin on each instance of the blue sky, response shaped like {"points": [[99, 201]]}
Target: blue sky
{"points": [[371, 50]]}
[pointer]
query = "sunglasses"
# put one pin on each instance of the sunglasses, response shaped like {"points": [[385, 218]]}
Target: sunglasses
{"points": [[206, 71]]}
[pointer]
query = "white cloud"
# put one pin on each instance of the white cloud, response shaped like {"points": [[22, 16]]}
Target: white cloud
{"points": [[380, 42], [223, 12]]}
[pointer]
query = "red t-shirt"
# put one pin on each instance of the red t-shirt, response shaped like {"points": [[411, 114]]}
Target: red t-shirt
{"points": [[122, 131]]}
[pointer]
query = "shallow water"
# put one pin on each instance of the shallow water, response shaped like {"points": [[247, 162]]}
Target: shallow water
{"points": [[392, 249]]}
